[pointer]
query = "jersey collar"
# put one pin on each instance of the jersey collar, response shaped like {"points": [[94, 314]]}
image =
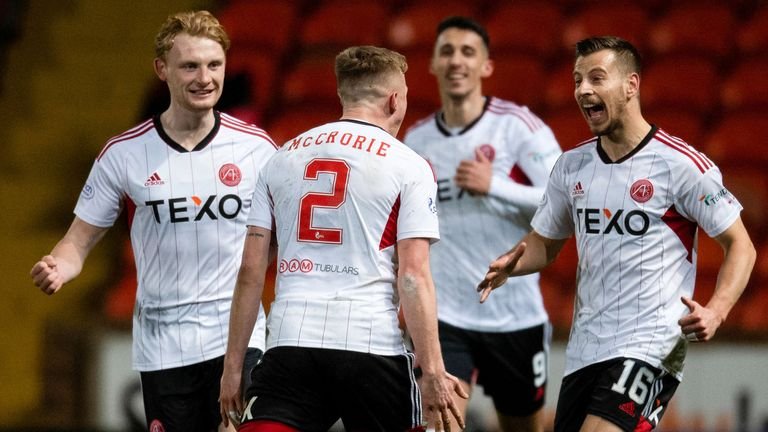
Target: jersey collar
{"points": [[440, 121], [176, 146], [604, 156]]}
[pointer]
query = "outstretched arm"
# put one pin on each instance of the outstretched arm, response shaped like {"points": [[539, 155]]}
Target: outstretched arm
{"points": [[66, 259], [419, 305], [532, 254], [701, 324], [245, 309]]}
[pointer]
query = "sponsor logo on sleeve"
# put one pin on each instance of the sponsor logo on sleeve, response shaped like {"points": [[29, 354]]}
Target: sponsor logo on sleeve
{"points": [[712, 199], [88, 191], [432, 206]]}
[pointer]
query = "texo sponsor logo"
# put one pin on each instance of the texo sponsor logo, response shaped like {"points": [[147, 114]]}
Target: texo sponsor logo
{"points": [[604, 221], [227, 207]]}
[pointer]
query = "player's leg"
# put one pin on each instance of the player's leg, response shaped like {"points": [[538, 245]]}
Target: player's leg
{"points": [[178, 399], [623, 395], [513, 370], [289, 389], [378, 393]]}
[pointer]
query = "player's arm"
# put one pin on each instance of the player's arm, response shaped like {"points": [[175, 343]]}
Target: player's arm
{"points": [[66, 259], [702, 322], [419, 305], [530, 255], [245, 309]]}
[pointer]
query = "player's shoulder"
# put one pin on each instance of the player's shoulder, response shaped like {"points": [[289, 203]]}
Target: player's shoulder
{"points": [[120, 143], [681, 156], [254, 133], [516, 114]]}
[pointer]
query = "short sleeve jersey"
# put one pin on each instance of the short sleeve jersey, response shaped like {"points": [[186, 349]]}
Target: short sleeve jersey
{"points": [[342, 195], [475, 230], [636, 222], [187, 213]]}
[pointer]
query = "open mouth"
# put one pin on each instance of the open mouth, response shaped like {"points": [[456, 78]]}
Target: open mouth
{"points": [[594, 111]]}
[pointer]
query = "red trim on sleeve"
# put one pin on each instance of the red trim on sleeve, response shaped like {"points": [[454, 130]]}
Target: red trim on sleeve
{"points": [[389, 236]]}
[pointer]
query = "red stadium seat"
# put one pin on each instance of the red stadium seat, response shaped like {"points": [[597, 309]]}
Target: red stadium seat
{"points": [[559, 87], [686, 125], [739, 139], [686, 82], [525, 27], [415, 27], [311, 79], [746, 87], [337, 24], [239, 19], [752, 37], [749, 184], [422, 84], [299, 118], [260, 68], [702, 27], [519, 78], [568, 125], [626, 19]]}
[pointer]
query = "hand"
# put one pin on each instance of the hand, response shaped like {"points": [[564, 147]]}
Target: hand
{"points": [[701, 323], [475, 175], [438, 401], [499, 270], [230, 398], [45, 274]]}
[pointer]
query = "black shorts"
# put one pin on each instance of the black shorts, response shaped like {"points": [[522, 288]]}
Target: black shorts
{"points": [[512, 367], [311, 388], [187, 398], [627, 392]]}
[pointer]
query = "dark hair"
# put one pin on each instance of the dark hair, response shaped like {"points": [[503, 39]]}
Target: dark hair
{"points": [[465, 23], [625, 51]]}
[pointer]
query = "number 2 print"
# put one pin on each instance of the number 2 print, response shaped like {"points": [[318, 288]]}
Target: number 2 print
{"points": [[312, 200]]}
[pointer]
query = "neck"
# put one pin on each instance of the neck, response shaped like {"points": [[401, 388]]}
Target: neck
{"points": [[366, 115], [625, 138], [185, 127], [462, 112]]}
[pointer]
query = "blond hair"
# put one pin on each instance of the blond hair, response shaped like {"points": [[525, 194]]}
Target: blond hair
{"points": [[362, 71], [194, 23]]}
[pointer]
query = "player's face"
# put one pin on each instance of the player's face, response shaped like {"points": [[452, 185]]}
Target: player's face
{"points": [[460, 61], [194, 71], [601, 91]]}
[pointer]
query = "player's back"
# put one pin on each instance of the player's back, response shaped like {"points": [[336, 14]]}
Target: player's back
{"points": [[343, 194]]}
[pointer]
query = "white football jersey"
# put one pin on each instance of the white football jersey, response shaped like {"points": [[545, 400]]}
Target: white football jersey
{"points": [[476, 230], [342, 194], [187, 211], [635, 223]]}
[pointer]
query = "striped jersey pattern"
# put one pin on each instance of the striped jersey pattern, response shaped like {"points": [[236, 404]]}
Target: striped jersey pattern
{"points": [[187, 211], [636, 222], [475, 230], [341, 195]]}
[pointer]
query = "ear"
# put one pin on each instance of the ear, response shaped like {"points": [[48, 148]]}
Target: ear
{"points": [[633, 85], [160, 69], [487, 69], [392, 103]]}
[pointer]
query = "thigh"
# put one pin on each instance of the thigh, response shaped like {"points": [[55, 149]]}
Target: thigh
{"points": [[512, 368], [629, 393], [289, 387], [456, 345], [379, 393], [184, 398]]}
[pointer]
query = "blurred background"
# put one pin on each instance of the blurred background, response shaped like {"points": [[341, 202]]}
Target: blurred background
{"points": [[74, 73]]}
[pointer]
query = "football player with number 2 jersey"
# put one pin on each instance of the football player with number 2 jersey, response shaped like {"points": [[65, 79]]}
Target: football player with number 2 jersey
{"points": [[635, 197], [353, 210]]}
